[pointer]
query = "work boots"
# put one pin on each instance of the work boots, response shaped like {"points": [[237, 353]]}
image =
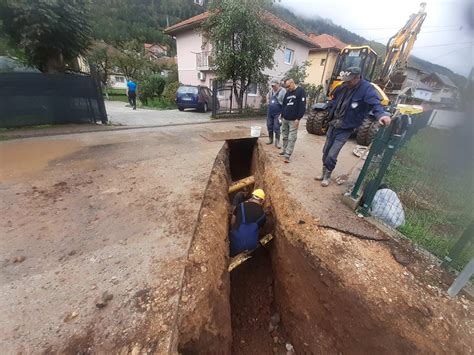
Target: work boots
{"points": [[277, 141], [326, 179], [270, 138], [321, 177]]}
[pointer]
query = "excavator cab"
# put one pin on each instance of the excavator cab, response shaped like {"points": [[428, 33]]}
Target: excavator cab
{"points": [[362, 57]]}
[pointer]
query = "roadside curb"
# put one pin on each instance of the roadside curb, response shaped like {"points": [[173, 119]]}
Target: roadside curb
{"points": [[34, 134]]}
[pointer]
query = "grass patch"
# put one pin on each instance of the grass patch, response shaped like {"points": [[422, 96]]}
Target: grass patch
{"points": [[159, 103], [436, 192], [115, 92], [121, 98]]}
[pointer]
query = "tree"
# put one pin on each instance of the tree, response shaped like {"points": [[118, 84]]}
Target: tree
{"points": [[299, 73], [243, 42], [151, 87], [131, 60], [101, 55], [50, 32]]}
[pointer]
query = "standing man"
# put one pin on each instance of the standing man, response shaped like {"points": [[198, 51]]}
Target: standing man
{"points": [[275, 105], [294, 107], [132, 93], [351, 103]]}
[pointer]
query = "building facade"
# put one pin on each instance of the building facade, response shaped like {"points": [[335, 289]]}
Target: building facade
{"points": [[194, 53], [323, 59]]}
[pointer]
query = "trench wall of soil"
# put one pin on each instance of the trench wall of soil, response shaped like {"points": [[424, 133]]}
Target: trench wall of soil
{"points": [[328, 301], [203, 322], [335, 294]]}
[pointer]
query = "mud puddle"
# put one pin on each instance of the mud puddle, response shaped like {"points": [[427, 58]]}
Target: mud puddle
{"points": [[23, 157]]}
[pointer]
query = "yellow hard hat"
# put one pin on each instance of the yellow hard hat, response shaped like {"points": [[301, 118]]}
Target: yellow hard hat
{"points": [[259, 193]]}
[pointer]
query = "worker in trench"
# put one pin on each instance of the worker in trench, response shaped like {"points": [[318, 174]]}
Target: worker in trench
{"points": [[350, 105], [247, 220]]}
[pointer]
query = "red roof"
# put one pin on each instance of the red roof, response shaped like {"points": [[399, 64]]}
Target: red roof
{"points": [[326, 41], [187, 23], [272, 19]]}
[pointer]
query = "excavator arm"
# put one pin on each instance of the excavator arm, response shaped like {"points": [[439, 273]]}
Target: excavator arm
{"points": [[399, 48]]}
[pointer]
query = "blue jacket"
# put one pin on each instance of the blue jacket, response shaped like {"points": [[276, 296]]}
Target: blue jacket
{"points": [[364, 100]]}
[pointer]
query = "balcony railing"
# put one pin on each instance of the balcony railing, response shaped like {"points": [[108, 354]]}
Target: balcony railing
{"points": [[204, 61]]}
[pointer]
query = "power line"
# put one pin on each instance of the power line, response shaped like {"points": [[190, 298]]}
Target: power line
{"points": [[445, 54], [446, 44], [391, 28], [456, 29], [431, 45]]}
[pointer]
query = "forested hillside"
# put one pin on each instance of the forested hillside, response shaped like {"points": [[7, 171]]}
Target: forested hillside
{"points": [[319, 25], [119, 21]]}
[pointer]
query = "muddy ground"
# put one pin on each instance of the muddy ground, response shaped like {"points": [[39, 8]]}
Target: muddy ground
{"points": [[116, 212]]}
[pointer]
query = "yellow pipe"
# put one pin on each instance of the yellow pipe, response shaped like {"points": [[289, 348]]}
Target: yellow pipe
{"points": [[239, 185]]}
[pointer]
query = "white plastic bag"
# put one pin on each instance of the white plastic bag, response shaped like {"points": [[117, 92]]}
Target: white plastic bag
{"points": [[387, 207]]}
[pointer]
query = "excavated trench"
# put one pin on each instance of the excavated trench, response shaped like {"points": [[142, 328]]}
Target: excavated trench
{"points": [[285, 296], [256, 325]]}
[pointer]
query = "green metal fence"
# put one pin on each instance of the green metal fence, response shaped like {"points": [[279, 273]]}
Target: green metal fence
{"points": [[419, 180]]}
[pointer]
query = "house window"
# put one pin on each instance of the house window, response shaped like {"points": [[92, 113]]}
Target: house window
{"points": [[323, 61], [120, 79], [252, 89], [289, 54]]}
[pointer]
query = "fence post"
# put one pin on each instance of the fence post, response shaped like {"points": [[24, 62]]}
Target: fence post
{"points": [[100, 96], [393, 143], [214, 99], [466, 238], [376, 147], [462, 279]]}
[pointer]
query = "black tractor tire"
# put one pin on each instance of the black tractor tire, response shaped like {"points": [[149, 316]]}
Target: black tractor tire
{"points": [[363, 132], [374, 128], [317, 123]]}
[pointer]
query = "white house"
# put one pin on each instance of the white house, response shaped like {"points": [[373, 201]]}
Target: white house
{"points": [[117, 81], [195, 65]]}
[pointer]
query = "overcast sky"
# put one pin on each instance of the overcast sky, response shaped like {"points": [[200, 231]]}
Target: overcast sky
{"points": [[441, 40]]}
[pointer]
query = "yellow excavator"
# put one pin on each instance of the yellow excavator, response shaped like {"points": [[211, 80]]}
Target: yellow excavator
{"points": [[387, 85]]}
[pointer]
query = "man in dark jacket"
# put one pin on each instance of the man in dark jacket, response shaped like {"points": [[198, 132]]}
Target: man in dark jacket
{"points": [[351, 103], [294, 107]]}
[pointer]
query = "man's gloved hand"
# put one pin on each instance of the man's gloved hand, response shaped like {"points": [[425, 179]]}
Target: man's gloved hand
{"points": [[385, 120]]}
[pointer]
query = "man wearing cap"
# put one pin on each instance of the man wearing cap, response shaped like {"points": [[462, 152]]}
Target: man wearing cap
{"points": [[275, 106], [247, 220], [350, 105]]}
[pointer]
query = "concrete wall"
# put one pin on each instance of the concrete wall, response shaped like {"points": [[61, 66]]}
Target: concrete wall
{"points": [[447, 119], [319, 74]]}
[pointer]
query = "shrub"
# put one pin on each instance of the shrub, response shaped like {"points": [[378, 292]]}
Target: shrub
{"points": [[152, 87], [169, 94]]}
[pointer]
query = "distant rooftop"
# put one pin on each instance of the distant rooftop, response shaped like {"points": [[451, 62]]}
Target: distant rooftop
{"points": [[270, 18], [325, 41]]}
